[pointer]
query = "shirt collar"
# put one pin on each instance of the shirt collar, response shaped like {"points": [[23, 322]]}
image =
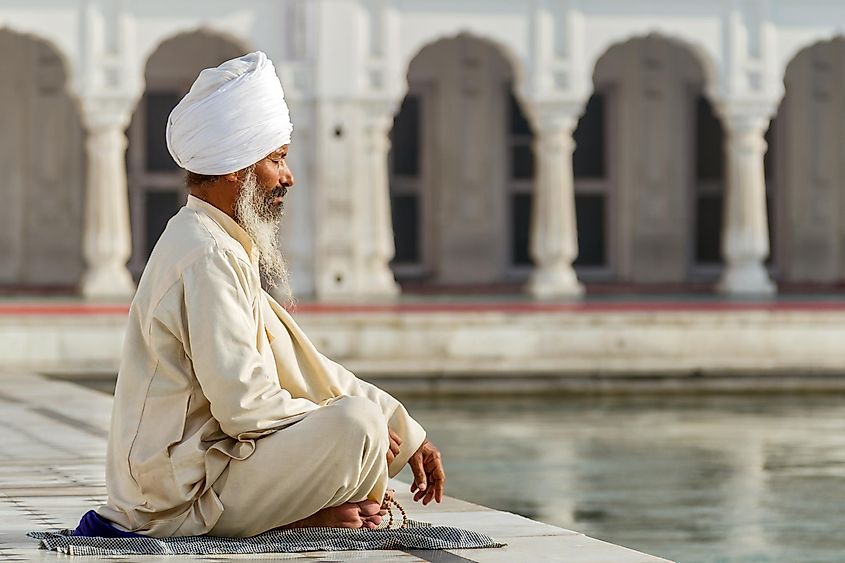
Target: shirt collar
{"points": [[228, 224]]}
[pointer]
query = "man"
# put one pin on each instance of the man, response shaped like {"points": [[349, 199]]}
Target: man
{"points": [[226, 419]]}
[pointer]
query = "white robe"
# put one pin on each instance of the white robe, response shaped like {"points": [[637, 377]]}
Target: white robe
{"points": [[215, 371]]}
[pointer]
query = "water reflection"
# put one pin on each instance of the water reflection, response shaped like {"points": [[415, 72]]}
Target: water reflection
{"points": [[694, 479], [750, 478]]}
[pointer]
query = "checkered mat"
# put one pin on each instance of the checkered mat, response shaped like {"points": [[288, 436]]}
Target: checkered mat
{"points": [[417, 536]]}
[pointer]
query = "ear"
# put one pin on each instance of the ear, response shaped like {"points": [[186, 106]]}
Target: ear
{"points": [[232, 177]]}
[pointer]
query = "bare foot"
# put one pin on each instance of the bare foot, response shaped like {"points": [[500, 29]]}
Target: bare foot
{"points": [[371, 513], [350, 515]]}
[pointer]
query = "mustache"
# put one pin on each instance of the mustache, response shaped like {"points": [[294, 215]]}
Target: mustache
{"points": [[280, 191]]}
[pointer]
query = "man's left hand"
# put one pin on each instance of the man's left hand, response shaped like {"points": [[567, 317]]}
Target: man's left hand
{"points": [[395, 445], [429, 477]]}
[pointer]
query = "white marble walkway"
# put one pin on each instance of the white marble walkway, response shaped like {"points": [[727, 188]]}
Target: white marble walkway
{"points": [[52, 449]]}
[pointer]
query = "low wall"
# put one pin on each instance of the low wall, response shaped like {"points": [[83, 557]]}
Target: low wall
{"points": [[478, 350]]}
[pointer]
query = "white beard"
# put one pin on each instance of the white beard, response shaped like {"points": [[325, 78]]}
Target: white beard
{"points": [[260, 217]]}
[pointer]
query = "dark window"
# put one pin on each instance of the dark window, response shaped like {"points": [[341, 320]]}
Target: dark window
{"points": [[159, 207], [522, 162], [405, 211], [590, 216], [521, 229], [159, 106], [518, 123], [405, 138], [709, 139], [588, 160], [708, 229]]}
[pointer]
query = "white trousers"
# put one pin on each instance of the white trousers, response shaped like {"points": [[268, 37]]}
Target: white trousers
{"points": [[336, 454]]}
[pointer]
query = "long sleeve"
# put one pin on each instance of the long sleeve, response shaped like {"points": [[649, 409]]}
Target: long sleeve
{"points": [[221, 336], [398, 419]]}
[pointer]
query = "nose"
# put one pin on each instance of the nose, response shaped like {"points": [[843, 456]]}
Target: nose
{"points": [[287, 178]]}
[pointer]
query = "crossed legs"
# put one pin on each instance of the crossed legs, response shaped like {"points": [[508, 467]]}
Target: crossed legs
{"points": [[329, 466]]}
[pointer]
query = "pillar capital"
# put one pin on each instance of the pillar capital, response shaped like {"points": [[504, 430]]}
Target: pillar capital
{"points": [[553, 117], [107, 111], [746, 116]]}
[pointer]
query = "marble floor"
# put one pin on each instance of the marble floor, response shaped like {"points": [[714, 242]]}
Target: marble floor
{"points": [[52, 450]]}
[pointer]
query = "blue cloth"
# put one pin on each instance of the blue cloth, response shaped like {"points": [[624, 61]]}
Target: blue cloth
{"points": [[92, 525]]}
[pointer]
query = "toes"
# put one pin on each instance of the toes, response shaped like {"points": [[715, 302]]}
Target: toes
{"points": [[369, 508]]}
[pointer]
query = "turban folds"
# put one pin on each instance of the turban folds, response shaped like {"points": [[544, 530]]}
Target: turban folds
{"points": [[233, 116]]}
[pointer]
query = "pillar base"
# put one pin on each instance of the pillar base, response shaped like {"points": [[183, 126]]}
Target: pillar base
{"points": [[109, 282], [557, 282], [746, 279]]}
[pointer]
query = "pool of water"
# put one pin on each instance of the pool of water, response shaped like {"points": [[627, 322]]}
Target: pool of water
{"points": [[693, 478]]}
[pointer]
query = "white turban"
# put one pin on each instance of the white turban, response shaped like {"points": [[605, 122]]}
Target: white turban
{"points": [[233, 116]]}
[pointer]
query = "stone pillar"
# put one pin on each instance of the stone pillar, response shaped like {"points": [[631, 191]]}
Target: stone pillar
{"points": [[106, 238], [745, 231], [375, 221], [554, 238]]}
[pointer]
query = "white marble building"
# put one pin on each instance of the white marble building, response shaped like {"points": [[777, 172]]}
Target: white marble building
{"points": [[545, 142]]}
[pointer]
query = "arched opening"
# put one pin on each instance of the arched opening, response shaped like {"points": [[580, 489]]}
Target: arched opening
{"points": [[649, 169], [42, 169], [156, 183], [808, 167], [460, 171]]}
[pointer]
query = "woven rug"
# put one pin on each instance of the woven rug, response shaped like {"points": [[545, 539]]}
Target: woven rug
{"points": [[417, 535]]}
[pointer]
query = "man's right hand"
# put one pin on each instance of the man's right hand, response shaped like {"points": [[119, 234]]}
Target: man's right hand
{"points": [[429, 477]]}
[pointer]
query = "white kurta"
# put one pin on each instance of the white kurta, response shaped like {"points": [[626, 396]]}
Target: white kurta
{"points": [[214, 369]]}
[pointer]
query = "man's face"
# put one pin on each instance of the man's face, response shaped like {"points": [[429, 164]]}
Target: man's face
{"points": [[258, 209], [274, 178]]}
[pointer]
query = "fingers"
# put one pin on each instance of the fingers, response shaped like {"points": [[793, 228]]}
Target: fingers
{"points": [[417, 469], [418, 496], [394, 446], [436, 478], [434, 492], [441, 486], [429, 495]]}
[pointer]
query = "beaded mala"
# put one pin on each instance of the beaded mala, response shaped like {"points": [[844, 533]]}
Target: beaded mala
{"points": [[390, 499]]}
